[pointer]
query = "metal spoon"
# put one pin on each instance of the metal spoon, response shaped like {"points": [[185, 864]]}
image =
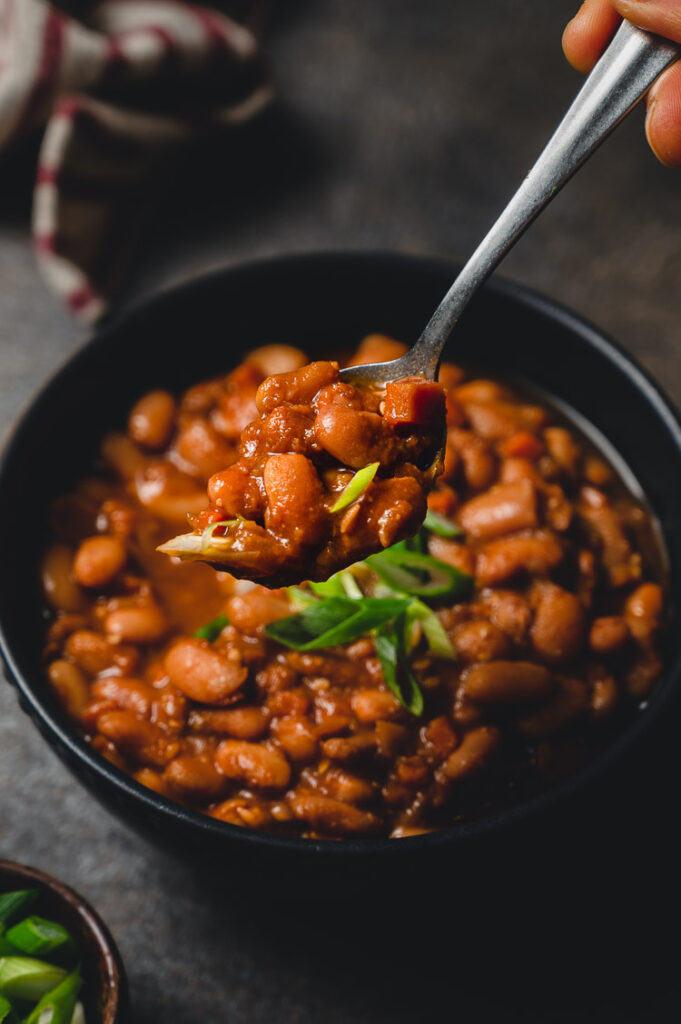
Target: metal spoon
{"points": [[627, 69]]}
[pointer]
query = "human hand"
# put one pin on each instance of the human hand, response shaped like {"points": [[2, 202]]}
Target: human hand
{"points": [[589, 32]]}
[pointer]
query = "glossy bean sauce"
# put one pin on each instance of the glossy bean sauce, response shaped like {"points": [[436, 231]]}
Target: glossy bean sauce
{"points": [[546, 655]]}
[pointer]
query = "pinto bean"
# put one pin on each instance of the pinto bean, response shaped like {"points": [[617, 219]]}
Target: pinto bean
{"points": [[201, 449], [349, 748], [297, 386], [127, 694], [328, 815], [563, 449], [251, 611], [152, 780], [203, 674], [59, 584], [93, 653], [557, 632], [236, 492], [144, 741], [294, 499], [297, 737], [152, 419], [495, 421], [509, 611], [255, 764], [479, 462], [71, 687], [643, 610], [377, 348], [394, 509], [147, 624], [342, 785], [505, 508], [247, 723], [534, 553], [438, 738], [472, 755], [273, 359], [480, 640], [604, 693], [288, 430], [621, 563], [370, 705], [482, 391], [245, 811], [353, 436], [98, 561], [608, 634], [507, 682], [195, 777], [569, 701]]}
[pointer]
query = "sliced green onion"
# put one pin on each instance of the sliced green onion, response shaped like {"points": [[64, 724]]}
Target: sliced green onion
{"points": [[333, 587], [7, 1014], [78, 1015], [341, 584], [434, 632], [211, 631], [333, 621], [350, 584], [390, 644], [439, 524], [300, 598], [356, 488], [7, 949], [58, 1005], [13, 903], [419, 575], [22, 977], [207, 538], [38, 937]]}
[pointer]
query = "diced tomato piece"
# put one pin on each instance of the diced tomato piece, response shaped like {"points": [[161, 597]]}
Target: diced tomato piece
{"points": [[522, 445], [414, 403]]}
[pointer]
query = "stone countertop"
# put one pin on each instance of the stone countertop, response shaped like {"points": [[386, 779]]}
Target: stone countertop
{"points": [[400, 125]]}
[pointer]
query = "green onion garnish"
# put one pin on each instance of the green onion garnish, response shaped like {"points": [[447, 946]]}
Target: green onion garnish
{"points": [[37, 937], [434, 632], [342, 584], [397, 672], [207, 538], [22, 977], [12, 903], [356, 488], [58, 1006], [439, 524], [7, 1014], [411, 572], [211, 631], [333, 621]]}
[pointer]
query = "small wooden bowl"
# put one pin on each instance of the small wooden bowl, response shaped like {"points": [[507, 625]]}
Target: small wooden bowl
{"points": [[105, 991]]}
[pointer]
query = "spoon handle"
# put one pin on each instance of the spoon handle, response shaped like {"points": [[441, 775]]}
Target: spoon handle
{"points": [[629, 66]]}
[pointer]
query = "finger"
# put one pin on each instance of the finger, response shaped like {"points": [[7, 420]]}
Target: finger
{"points": [[660, 16], [589, 32], [663, 120]]}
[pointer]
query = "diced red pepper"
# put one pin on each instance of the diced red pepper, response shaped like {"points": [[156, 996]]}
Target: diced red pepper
{"points": [[414, 403]]}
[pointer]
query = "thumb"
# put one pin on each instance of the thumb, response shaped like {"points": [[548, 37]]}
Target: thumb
{"points": [[660, 16]]}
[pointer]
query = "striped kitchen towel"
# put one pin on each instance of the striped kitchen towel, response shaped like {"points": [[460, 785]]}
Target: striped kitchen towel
{"points": [[118, 88]]}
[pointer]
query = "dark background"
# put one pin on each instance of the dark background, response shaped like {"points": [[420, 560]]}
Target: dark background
{"points": [[399, 125]]}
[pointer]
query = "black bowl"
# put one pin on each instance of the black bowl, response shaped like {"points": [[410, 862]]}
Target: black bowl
{"points": [[321, 303], [105, 989]]}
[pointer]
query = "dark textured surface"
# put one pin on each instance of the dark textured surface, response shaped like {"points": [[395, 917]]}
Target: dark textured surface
{"points": [[400, 125]]}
